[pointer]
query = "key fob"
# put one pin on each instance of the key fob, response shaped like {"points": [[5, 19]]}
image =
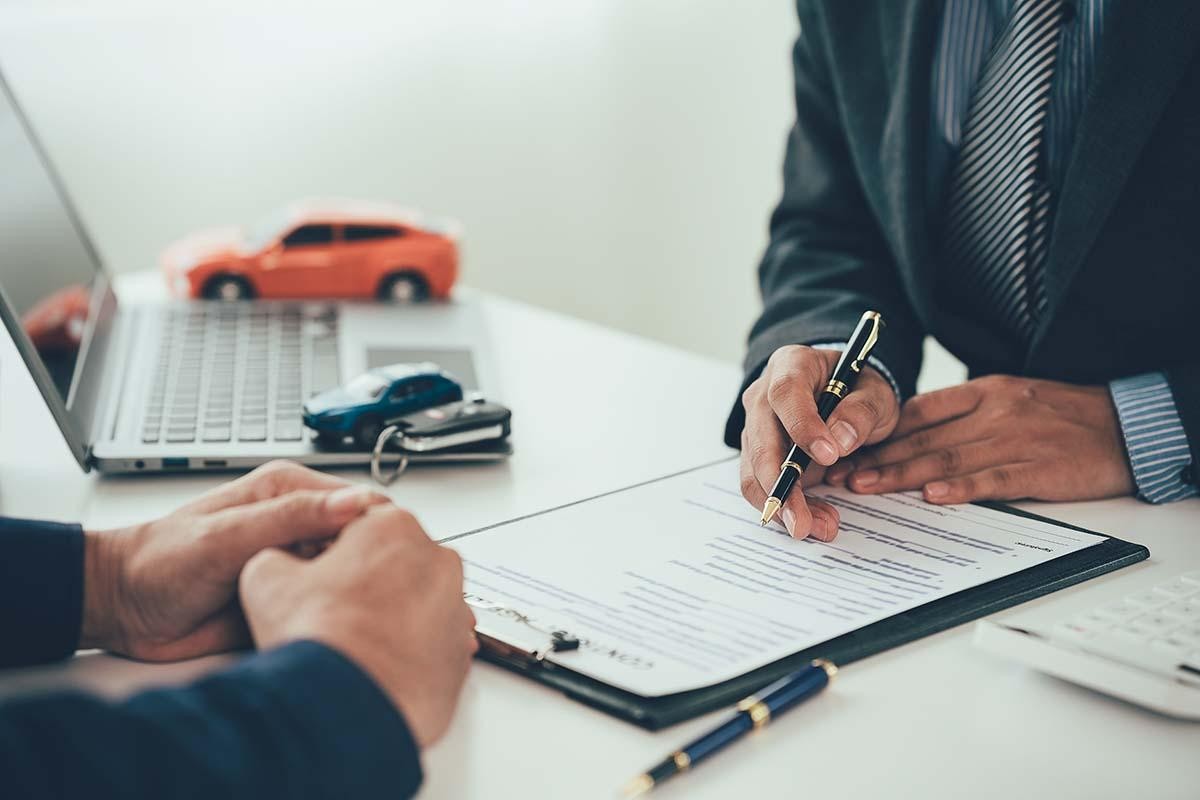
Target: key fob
{"points": [[460, 424]]}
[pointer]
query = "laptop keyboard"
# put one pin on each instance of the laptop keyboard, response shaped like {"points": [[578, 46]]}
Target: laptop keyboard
{"points": [[233, 372]]}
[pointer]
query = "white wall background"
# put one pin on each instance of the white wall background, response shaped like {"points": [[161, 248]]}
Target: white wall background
{"points": [[612, 159]]}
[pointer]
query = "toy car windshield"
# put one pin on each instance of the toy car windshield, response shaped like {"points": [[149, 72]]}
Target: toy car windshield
{"points": [[367, 386]]}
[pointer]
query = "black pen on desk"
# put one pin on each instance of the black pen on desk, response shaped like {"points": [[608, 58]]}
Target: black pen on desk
{"points": [[845, 376], [752, 713]]}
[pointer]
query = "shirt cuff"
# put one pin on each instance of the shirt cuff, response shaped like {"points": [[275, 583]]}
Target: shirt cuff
{"points": [[1155, 439], [872, 360]]}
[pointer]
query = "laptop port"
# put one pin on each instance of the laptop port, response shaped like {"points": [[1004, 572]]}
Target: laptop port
{"points": [[175, 463], [215, 462]]}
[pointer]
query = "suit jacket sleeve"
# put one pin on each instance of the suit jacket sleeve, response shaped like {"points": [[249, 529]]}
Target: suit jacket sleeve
{"points": [[298, 722], [827, 260], [41, 591], [301, 721]]}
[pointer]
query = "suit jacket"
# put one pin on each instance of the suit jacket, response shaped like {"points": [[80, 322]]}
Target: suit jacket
{"points": [[301, 721], [853, 229]]}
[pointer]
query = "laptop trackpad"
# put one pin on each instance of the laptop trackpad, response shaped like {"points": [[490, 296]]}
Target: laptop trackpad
{"points": [[458, 361]]}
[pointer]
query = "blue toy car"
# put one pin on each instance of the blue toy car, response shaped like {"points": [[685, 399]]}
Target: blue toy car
{"points": [[362, 407]]}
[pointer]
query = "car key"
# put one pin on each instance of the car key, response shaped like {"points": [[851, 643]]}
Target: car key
{"points": [[457, 424]]}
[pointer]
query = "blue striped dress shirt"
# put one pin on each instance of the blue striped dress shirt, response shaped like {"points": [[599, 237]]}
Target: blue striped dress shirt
{"points": [[1155, 440]]}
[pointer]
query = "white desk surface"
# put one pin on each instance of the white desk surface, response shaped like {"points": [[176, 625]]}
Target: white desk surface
{"points": [[596, 410]]}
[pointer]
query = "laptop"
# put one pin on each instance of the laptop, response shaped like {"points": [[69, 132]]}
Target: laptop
{"points": [[184, 386]]}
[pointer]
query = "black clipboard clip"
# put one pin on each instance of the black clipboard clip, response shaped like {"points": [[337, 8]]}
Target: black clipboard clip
{"points": [[560, 641]]}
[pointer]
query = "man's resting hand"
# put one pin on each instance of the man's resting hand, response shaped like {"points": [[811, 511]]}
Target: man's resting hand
{"points": [[999, 438], [167, 589], [386, 597]]}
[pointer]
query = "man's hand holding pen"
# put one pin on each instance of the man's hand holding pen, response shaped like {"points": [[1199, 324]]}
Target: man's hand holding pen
{"points": [[781, 409]]}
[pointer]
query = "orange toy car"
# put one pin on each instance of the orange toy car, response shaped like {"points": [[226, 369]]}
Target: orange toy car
{"points": [[335, 248]]}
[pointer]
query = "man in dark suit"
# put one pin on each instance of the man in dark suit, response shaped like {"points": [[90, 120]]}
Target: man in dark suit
{"points": [[363, 645], [1021, 180]]}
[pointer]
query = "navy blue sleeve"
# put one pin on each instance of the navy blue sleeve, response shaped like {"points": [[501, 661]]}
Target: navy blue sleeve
{"points": [[298, 722], [41, 591]]}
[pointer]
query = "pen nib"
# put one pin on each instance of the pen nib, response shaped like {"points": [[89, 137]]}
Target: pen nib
{"points": [[768, 513]]}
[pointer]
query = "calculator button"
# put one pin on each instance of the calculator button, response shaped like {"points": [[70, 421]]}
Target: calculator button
{"points": [[1191, 607], [1180, 611], [1178, 588], [1075, 631], [1153, 624], [1133, 632], [1149, 599], [1171, 647], [1189, 632], [1147, 658], [1118, 611]]}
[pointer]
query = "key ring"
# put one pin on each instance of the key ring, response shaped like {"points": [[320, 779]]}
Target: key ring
{"points": [[377, 472]]}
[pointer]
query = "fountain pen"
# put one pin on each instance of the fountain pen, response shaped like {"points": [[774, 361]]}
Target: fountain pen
{"points": [[752, 713], [841, 383]]}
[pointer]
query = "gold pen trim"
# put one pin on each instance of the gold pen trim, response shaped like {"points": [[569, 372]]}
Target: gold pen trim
{"points": [[760, 715], [830, 668], [837, 388], [876, 322], [682, 761], [793, 465]]}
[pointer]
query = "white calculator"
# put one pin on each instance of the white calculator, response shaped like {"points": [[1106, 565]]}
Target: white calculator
{"points": [[1144, 648]]}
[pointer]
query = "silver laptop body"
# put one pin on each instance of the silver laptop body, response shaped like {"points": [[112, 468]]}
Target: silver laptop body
{"points": [[189, 385]]}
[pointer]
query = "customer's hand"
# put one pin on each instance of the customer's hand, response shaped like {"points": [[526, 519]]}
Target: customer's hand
{"points": [[781, 409], [168, 589], [999, 438], [385, 596]]}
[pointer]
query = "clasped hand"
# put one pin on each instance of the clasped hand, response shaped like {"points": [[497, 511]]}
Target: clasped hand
{"points": [[282, 554], [993, 438]]}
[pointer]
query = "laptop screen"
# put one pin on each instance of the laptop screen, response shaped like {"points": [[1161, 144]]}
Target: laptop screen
{"points": [[55, 296]]}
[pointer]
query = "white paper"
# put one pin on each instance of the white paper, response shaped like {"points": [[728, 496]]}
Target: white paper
{"points": [[673, 585]]}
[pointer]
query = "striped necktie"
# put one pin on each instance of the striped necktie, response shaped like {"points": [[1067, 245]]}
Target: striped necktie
{"points": [[999, 206]]}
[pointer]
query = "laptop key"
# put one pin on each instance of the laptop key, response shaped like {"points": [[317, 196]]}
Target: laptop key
{"points": [[252, 433], [289, 431], [215, 434]]}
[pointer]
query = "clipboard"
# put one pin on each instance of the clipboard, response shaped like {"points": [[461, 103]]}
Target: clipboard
{"points": [[655, 713]]}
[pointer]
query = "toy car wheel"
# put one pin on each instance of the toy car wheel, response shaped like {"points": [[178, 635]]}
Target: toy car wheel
{"points": [[366, 432], [227, 287], [404, 287]]}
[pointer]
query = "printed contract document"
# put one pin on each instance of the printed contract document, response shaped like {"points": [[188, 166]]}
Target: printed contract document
{"points": [[672, 585]]}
